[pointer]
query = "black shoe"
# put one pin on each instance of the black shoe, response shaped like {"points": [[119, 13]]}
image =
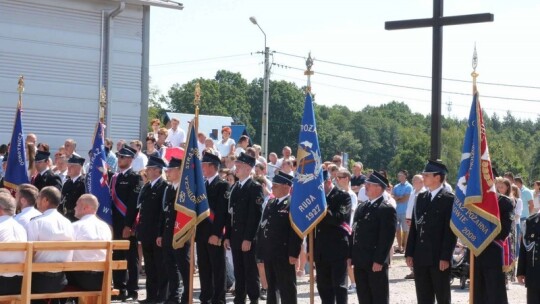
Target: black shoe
{"points": [[147, 301], [133, 295], [122, 296], [263, 294]]}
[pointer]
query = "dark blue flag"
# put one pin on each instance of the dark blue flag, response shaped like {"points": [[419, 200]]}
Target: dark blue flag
{"points": [[97, 180], [308, 200], [475, 215], [192, 203], [17, 169]]}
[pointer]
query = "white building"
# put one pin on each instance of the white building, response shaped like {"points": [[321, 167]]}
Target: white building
{"points": [[208, 124], [67, 50]]}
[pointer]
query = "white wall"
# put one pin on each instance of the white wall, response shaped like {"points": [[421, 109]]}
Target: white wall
{"points": [[55, 44]]}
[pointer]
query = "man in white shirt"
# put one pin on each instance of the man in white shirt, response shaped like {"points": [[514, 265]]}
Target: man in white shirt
{"points": [[51, 226], [418, 187], [175, 135], [201, 143], [88, 228], [10, 231], [26, 197], [140, 160]]}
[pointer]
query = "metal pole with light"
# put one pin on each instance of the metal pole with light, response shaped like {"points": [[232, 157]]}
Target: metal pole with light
{"points": [[266, 93]]}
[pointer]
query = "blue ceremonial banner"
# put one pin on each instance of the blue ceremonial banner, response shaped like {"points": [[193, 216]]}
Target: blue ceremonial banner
{"points": [[17, 169], [308, 200], [97, 180], [192, 203], [475, 215]]}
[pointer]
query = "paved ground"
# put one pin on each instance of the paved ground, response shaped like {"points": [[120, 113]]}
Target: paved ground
{"points": [[401, 291]]}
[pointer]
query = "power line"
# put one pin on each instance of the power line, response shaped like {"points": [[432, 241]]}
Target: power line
{"points": [[398, 98], [408, 74], [200, 60], [402, 86]]}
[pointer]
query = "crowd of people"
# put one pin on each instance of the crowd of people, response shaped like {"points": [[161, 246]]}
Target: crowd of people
{"points": [[247, 245]]}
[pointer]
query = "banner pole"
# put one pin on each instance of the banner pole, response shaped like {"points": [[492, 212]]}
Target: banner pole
{"points": [[196, 102], [471, 278], [311, 272], [192, 265]]}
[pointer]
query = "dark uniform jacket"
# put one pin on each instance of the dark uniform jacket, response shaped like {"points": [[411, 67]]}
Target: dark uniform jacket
{"points": [[373, 229], [276, 238], [71, 191], [168, 217], [245, 211], [430, 237], [492, 256], [150, 207], [48, 178], [331, 240], [127, 188], [529, 252], [217, 193]]}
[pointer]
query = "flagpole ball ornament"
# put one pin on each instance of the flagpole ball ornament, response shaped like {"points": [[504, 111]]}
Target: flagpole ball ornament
{"points": [[377, 178], [308, 72], [246, 159], [20, 87]]}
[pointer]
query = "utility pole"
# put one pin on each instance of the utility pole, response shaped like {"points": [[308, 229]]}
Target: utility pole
{"points": [[266, 102], [266, 93]]}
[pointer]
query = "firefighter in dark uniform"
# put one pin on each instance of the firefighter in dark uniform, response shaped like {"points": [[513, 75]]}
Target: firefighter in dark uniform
{"points": [[489, 278], [528, 271], [150, 205], [45, 176], [278, 245], [431, 242], [374, 229], [176, 260], [125, 187], [331, 245], [73, 188], [210, 251], [245, 211]]}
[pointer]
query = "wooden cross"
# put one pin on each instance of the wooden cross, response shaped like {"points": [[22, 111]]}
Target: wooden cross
{"points": [[437, 23]]}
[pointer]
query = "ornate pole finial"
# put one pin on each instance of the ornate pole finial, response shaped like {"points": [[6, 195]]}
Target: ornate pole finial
{"points": [[309, 72], [474, 66], [197, 102], [102, 104], [20, 89]]}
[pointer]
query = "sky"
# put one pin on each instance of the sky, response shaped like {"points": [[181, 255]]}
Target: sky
{"points": [[211, 35]]}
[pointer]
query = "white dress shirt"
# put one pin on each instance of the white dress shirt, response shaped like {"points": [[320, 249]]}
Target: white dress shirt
{"points": [[51, 226], [90, 228], [412, 202], [139, 162], [362, 197], [11, 231], [176, 137], [26, 215]]}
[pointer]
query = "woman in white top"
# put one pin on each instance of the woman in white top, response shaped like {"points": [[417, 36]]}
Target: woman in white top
{"points": [[226, 145]]}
